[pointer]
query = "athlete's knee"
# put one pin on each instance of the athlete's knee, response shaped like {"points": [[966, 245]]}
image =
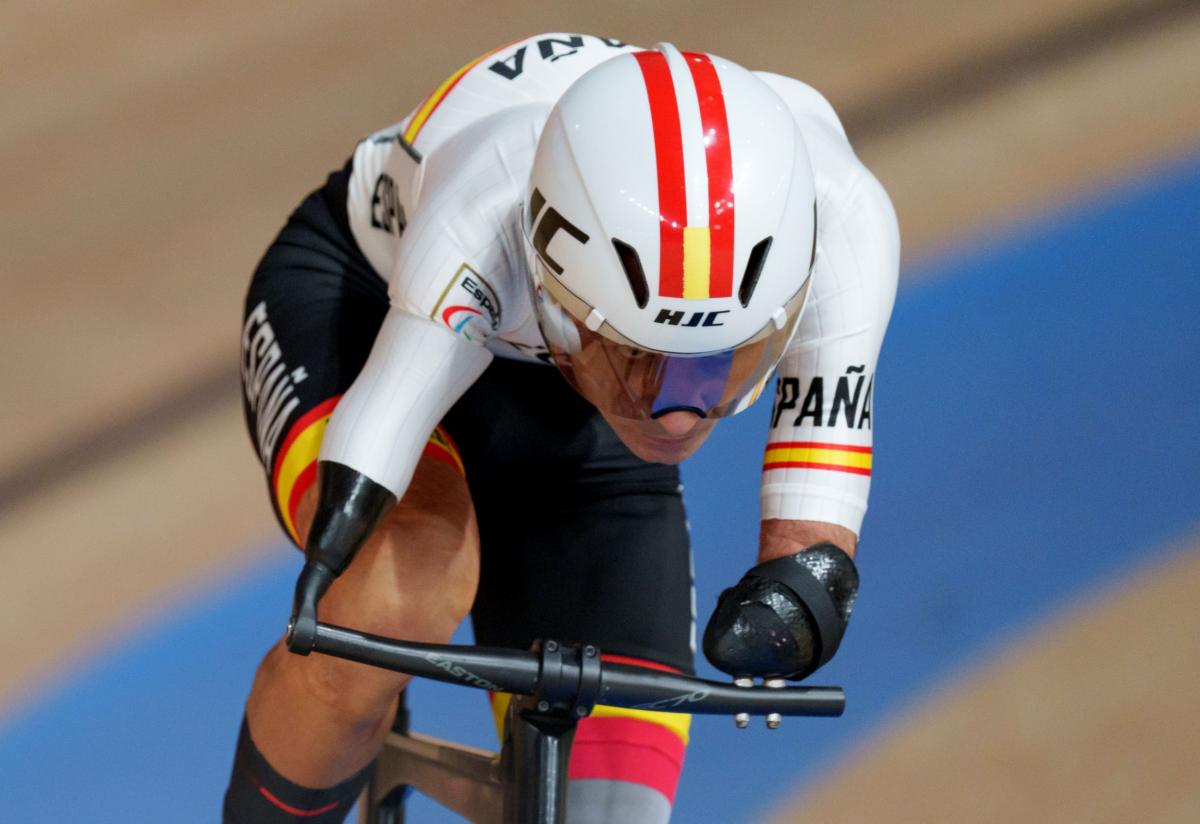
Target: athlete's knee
{"points": [[357, 696], [391, 607]]}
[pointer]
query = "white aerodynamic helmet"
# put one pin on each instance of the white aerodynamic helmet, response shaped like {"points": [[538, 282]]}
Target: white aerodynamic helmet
{"points": [[671, 233]]}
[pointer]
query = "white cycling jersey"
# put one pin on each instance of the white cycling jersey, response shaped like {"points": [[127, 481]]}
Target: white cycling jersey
{"points": [[435, 204]]}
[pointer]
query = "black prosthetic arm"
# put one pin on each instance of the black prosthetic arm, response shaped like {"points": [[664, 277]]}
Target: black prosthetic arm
{"points": [[349, 506], [786, 617]]}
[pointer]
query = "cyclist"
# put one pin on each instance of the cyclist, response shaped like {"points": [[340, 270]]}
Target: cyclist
{"points": [[667, 229]]}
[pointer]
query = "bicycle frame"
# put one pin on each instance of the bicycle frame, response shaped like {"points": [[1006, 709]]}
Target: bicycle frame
{"points": [[525, 782]]}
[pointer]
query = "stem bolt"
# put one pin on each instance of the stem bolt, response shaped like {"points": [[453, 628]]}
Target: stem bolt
{"points": [[742, 719], [774, 719]]}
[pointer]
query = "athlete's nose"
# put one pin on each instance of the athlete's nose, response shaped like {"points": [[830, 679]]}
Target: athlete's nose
{"points": [[678, 423]]}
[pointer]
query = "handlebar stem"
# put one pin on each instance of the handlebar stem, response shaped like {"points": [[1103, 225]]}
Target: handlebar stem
{"points": [[569, 679]]}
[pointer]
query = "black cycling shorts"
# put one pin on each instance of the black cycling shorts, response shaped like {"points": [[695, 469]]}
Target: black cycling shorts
{"points": [[581, 540]]}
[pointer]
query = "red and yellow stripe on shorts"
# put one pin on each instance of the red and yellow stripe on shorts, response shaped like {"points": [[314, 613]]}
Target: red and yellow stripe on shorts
{"points": [[296, 462], [618, 744]]}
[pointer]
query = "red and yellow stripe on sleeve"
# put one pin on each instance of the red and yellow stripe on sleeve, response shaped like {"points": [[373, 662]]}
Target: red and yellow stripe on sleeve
{"points": [[835, 457], [434, 100], [296, 462], [441, 447]]}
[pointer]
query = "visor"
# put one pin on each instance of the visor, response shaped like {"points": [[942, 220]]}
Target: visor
{"points": [[630, 382]]}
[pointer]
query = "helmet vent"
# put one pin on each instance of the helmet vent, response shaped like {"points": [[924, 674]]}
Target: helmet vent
{"points": [[758, 256], [632, 264]]}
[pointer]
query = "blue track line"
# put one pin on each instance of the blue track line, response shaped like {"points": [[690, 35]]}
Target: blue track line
{"points": [[1035, 414]]}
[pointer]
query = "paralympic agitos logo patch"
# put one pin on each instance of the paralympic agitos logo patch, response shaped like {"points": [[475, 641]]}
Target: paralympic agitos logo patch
{"points": [[468, 305]]}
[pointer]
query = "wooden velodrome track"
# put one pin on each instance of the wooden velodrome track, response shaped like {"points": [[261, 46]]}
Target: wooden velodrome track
{"points": [[148, 151]]}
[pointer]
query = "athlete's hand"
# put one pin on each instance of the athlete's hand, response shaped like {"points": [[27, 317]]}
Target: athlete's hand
{"points": [[786, 617]]}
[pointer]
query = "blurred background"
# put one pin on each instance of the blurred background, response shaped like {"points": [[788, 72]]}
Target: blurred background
{"points": [[1026, 645]]}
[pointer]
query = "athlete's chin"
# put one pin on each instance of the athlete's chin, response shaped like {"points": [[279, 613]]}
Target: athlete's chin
{"points": [[655, 447]]}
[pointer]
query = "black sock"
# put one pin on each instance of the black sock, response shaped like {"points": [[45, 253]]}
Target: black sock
{"points": [[259, 795]]}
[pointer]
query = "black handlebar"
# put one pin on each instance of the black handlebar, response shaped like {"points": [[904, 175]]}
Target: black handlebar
{"points": [[312, 583], [647, 689], [567, 679], [499, 670], [573, 678]]}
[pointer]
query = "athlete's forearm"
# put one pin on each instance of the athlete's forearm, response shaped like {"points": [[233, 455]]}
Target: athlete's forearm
{"points": [[785, 537]]}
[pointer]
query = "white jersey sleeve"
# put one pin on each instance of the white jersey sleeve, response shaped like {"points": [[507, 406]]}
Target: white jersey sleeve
{"points": [[460, 263], [818, 458], [434, 203], [385, 178], [416, 371], [454, 282]]}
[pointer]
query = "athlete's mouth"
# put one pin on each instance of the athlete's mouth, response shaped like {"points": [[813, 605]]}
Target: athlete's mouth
{"points": [[668, 440]]}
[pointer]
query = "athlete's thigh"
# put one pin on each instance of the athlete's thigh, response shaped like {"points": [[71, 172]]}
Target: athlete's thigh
{"points": [[416, 576]]}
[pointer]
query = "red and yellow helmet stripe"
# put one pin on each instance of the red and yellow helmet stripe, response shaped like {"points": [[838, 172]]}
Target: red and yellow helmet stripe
{"points": [[695, 262]]}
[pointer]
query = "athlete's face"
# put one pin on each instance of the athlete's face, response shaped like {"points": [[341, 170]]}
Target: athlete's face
{"points": [[667, 439]]}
